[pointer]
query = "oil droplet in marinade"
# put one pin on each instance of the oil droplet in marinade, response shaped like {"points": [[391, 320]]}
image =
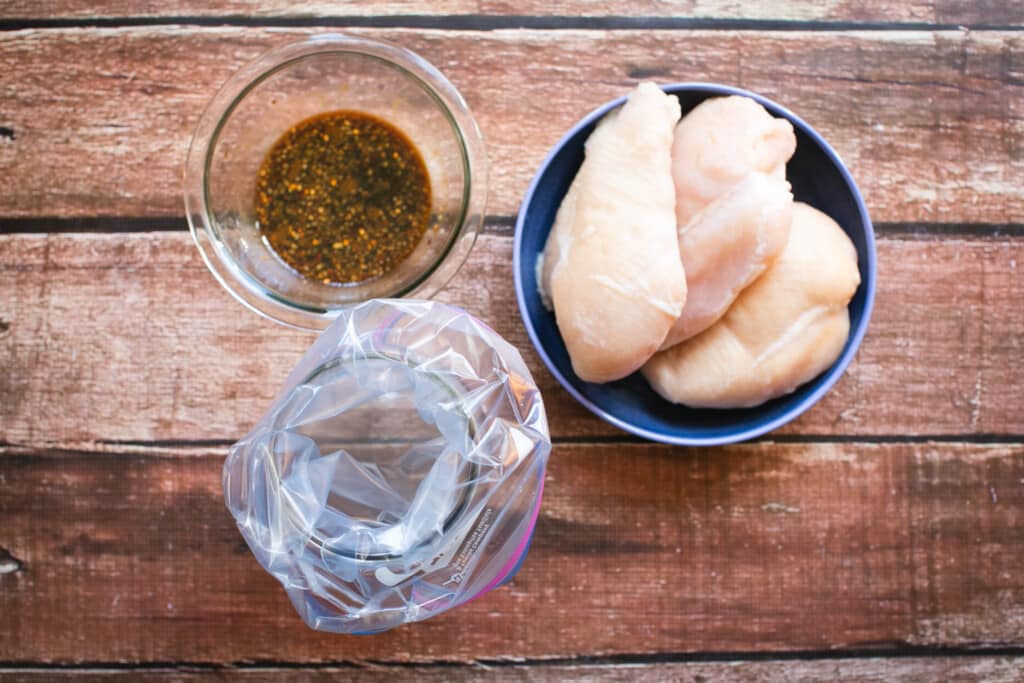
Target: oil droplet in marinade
{"points": [[343, 197]]}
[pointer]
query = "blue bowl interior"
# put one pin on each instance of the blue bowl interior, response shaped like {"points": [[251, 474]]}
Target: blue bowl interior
{"points": [[818, 178]]}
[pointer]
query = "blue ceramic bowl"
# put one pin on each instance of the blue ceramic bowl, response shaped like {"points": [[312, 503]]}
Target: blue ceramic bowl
{"points": [[818, 177]]}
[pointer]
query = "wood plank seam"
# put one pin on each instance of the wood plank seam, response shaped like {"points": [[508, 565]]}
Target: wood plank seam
{"points": [[488, 22], [493, 224], [585, 439], [989, 669], [623, 660], [164, 449]]}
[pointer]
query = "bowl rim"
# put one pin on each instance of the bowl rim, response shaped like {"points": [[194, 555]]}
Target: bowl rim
{"points": [[253, 294], [869, 272]]}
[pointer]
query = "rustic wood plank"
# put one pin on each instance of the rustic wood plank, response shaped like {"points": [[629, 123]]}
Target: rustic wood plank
{"points": [[640, 549], [128, 337], [917, 11], [968, 669], [932, 124]]}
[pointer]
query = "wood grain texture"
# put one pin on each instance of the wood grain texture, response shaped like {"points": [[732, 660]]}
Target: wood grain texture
{"points": [[128, 337], [918, 11], [640, 549], [946, 669], [931, 124]]}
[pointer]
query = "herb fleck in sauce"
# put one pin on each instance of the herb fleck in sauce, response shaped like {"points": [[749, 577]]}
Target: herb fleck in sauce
{"points": [[343, 197]]}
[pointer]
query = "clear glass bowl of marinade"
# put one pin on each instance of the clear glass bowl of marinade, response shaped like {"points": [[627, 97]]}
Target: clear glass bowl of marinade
{"points": [[331, 171]]}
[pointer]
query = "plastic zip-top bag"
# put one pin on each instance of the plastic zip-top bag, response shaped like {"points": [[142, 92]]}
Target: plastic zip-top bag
{"points": [[398, 473]]}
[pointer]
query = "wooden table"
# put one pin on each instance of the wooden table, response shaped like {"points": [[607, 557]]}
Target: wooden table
{"points": [[880, 536]]}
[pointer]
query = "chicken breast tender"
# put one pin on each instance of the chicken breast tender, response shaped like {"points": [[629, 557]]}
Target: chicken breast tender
{"points": [[727, 246], [721, 142], [783, 330], [611, 264]]}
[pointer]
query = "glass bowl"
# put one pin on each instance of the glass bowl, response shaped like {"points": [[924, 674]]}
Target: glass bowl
{"points": [[295, 82]]}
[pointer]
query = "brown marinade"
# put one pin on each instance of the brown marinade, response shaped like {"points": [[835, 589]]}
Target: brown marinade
{"points": [[343, 197]]}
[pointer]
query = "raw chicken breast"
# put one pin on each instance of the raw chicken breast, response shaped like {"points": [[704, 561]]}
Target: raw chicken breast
{"points": [[720, 143], [611, 264], [782, 331], [557, 243], [727, 246]]}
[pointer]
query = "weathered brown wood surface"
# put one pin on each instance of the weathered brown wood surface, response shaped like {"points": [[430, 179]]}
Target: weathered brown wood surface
{"points": [[931, 123], [878, 537], [640, 549], [148, 347]]}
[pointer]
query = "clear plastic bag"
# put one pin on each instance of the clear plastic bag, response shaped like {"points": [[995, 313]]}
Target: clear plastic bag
{"points": [[398, 473]]}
